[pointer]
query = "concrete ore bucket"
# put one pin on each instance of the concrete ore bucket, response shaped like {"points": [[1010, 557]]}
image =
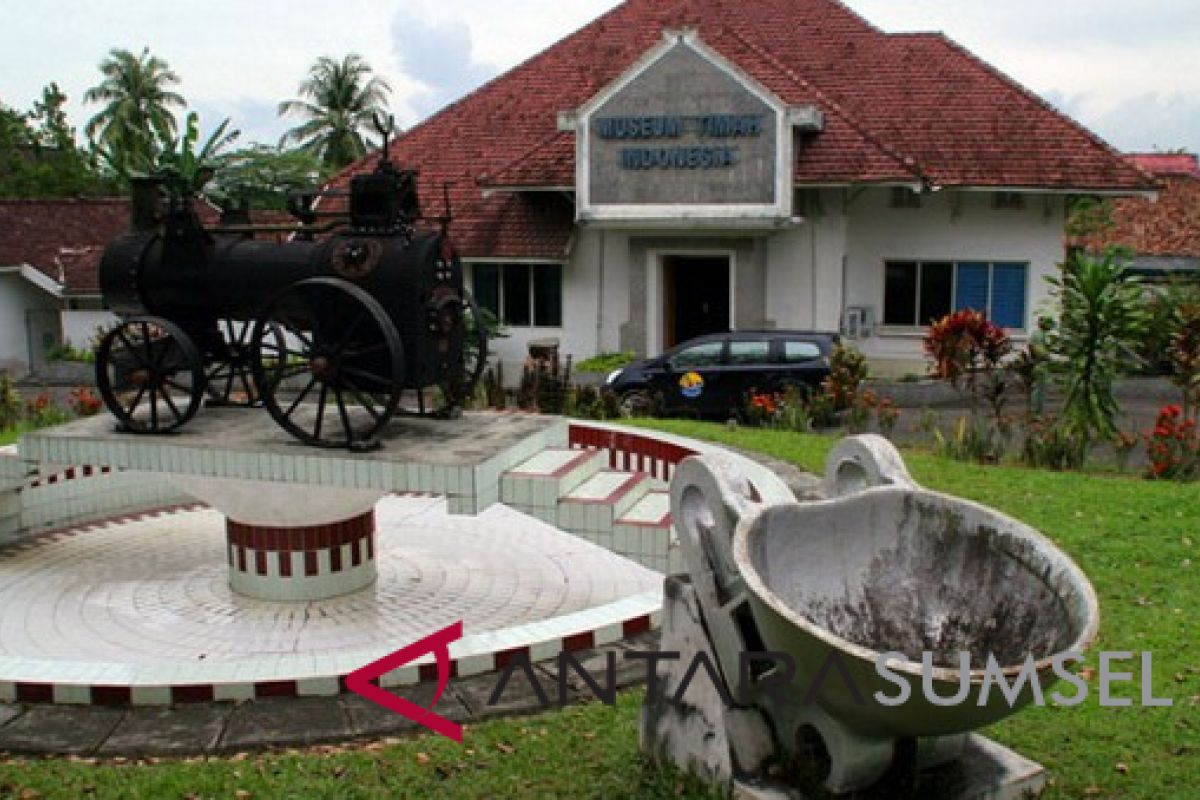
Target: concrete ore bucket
{"points": [[878, 565]]}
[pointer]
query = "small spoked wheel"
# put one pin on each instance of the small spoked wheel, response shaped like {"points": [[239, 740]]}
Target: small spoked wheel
{"points": [[150, 375], [333, 375], [459, 387], [230, 377]]}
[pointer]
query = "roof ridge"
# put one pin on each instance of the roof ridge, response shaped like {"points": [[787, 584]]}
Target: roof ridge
{"points": [[907, 163], [1045, 104]]}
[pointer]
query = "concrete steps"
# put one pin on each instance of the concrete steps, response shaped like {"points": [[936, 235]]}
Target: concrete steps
{"points": [[596, 504], [625, 512], [645, 533], [535, 485]]}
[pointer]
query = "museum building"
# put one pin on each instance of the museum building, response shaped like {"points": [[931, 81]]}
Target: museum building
{"points": [[679, 167]]}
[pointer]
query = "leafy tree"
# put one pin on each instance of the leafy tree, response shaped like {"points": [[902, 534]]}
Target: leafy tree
{"points": [[1184, 351], [43, 161], [338, 100], [263, 176], [1102, 315], [136, 116]]}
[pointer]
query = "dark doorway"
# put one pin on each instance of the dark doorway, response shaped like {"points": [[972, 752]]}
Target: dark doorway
{"points": [[695, 297]]}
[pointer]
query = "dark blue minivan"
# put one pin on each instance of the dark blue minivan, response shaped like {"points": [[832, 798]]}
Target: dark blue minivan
{"points": [[710, 376]]}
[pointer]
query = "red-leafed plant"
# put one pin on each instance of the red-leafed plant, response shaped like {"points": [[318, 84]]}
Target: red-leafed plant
{"points": [[963, 344]]}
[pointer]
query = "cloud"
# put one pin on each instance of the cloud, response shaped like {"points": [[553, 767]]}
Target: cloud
{"points": [[441, 57], [255, 118], [1153, 121]]}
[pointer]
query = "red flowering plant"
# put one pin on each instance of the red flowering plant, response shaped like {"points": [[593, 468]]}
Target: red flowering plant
{"points": [[886, 414], [761, 407], [84, 401], [1174, 446], [41, 411]]}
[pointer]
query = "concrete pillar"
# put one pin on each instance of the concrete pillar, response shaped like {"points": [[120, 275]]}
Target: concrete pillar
{"points": [[299, 563]]}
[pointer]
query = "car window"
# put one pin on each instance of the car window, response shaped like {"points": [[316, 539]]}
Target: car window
{"points": [[699, 355], [794, 352], [750, 352]]}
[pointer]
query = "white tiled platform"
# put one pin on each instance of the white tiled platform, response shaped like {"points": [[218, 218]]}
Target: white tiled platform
{"points": [[146, 602], [461, 459]]}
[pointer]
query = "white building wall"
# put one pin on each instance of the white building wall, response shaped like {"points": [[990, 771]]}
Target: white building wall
{"points": [[799, 296], [847, 235], [79, 326], [948, 226], [17, 298]]}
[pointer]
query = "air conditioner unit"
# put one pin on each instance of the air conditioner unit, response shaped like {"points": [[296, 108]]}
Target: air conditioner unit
{"points": [[859, 322]]}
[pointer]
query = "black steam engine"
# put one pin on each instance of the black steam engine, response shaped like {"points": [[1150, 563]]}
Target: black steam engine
{"points": [[326, 330]]}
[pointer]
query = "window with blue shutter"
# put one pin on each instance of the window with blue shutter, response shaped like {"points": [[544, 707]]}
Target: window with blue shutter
{"points": [[972, 288], [1008, 295], [919, 292]]}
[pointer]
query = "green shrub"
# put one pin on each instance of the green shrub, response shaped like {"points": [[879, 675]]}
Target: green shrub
{"points": [[1103, 315], [847, 371], [11, 404], [65, 352], [606, 362]]}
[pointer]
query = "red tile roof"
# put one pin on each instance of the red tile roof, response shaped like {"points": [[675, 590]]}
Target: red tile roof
{"points": [[40, 232], [898, 108], [1167, 165], [1168, 226], [64, 237]]}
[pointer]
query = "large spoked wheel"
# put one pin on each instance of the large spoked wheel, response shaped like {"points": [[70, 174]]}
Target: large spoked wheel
{"points": [[150, 375], [230, 378], [458, 389], [335, 378]]}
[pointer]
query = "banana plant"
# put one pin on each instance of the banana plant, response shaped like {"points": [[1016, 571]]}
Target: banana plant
{"points": [[186, 169]]}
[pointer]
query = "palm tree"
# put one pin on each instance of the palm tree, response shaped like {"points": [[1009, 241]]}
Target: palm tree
{"points": [[137, 111], [337, 100]]}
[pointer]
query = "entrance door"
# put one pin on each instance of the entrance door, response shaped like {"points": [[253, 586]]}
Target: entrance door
{"points": [[695, 297]]}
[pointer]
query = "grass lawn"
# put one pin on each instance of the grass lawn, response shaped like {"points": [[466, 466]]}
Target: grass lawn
{"points": [[10, 435], [1138, 541]]}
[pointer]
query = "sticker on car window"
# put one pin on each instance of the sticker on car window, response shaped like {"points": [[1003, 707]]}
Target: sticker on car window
{"points": [[691, 385]]}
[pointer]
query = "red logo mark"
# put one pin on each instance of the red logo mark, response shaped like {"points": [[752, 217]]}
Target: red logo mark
{"points": [[437, 643]]}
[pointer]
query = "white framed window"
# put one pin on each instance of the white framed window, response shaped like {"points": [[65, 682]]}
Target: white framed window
{"points": [[919, 292], [520, 295]]}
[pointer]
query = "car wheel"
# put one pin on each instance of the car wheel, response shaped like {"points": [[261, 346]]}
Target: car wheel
{"points": [[636, 403]]}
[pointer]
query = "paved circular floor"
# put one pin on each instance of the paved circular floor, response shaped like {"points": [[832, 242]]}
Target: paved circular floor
{"points": [[155, 590]]}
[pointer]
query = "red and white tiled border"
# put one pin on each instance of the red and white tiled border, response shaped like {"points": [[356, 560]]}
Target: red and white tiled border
{"points": [[84, 683]]}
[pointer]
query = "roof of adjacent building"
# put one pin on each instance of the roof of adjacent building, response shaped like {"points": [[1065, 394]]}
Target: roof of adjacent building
{"points": [[899, 108], [1168, 226], [61, 237], [1168, 165]]}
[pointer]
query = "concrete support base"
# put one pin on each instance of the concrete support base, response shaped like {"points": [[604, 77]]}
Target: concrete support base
{"points": [[302, 563], [735, 749]]}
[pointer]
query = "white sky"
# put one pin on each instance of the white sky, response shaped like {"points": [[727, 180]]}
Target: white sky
{"points": [[1129, 70]]}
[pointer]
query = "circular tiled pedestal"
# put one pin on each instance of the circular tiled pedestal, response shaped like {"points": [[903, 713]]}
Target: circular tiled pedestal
{"points": [[311, 562]]}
